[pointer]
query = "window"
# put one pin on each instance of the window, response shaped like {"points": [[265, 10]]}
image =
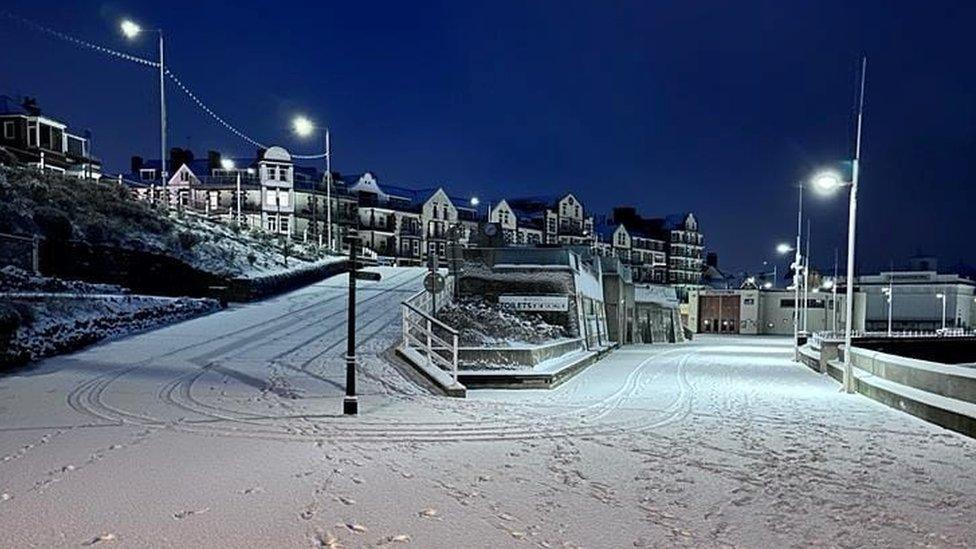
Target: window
{"points": [[8, 129], [45, 136], [147, 174], [284, 225], [214, 199], [271, 224], [283, 198], [184, 176], [32, 133], [271, 198]]}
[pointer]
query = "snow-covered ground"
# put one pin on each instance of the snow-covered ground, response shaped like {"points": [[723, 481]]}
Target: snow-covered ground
{"points": [[224, 431], [51, 316]]}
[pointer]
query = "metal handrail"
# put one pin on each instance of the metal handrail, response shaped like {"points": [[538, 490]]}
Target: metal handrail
{"points": [[440, 324]]}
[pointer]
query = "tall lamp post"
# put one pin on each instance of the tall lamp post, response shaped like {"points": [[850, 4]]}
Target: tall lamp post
{"points": [[888, 293], [131, 29], [304, 127], [829, 182], [942, 297], [784, 249]]}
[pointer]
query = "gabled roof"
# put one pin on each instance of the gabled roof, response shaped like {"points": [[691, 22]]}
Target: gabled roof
{"points": [[676, 221]]}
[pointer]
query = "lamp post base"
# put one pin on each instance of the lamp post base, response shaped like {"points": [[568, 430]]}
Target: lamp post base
{"points": [[350, 406]]}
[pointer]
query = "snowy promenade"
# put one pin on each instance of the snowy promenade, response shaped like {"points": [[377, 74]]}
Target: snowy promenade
{"points": [[223, 431]]}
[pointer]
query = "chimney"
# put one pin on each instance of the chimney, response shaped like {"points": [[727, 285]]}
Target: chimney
{"points": [[213, 160], [136, 164], [624, 214], [711, 259]]}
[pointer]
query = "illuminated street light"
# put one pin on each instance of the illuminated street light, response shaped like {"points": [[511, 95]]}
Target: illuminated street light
{"points": [[475, 201], [826, 182], [784, 249], [942, 296], [303, 127], [131, 30], [767, 285], [227, 163]]}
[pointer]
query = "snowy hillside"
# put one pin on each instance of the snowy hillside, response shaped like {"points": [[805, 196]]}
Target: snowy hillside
{"points": [[42, 316], [107, 215]]}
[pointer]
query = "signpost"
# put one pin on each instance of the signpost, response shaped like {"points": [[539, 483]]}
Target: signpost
{"points": [[350, 404]]}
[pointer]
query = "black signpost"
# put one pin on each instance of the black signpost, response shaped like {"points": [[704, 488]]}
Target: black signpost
{"points": [[350, 404]]}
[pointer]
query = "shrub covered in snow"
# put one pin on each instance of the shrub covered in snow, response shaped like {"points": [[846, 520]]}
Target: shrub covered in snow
{"points": [[32, 328], [482, 323], [14, 279]]}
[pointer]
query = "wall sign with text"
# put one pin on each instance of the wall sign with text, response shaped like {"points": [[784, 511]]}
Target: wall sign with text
{"points": [[545, 303]]}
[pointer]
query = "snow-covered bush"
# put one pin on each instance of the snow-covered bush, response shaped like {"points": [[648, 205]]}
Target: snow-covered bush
{"points": [[482, 323]]}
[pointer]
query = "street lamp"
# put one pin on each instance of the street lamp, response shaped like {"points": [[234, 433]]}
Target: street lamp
{"points": [[942, 296], [304, 127], [475, 201], [131, 30], [889, 294], [829, 182], [227, 164]]}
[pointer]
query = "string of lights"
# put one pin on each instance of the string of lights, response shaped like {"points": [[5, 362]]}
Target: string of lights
{"points": [[149, 63]]}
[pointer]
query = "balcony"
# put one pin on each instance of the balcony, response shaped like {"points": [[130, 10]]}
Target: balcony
{"points": [[410, 229]]}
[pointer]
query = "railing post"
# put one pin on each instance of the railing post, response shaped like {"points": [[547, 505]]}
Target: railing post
{"points": [[404, 311], [454, 362], [428, 342]]}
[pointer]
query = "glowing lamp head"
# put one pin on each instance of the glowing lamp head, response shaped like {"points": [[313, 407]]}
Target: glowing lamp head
{"points": [[129, 28], [475, 201], [767, 285], [826, 182], [940, 296], [227, 163], [783, 249], [302, 126], [828, 284]]}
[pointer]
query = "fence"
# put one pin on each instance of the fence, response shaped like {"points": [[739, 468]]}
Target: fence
{"points": [[21, 251], [819, 337], [424, 334]]}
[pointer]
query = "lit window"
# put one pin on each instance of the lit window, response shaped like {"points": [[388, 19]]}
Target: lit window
{"points": [[270, 198], [283, 198]]}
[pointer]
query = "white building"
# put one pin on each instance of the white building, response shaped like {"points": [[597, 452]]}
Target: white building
{"points": [[915, 302]]}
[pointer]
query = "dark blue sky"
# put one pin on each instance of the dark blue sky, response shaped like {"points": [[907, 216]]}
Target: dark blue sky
{"points": [[714, 107]]}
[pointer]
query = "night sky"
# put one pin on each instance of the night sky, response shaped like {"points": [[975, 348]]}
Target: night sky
{"points": [[713, 107]]}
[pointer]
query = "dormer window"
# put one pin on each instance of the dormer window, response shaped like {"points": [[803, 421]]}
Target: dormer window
{"points": [[147, 174]]}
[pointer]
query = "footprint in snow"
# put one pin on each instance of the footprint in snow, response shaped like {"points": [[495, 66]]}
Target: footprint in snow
{"points": [[100, 538], [184, 514]]}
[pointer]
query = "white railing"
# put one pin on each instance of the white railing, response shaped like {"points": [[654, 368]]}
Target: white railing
{"points": [[948, 332], [423, 333]]}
